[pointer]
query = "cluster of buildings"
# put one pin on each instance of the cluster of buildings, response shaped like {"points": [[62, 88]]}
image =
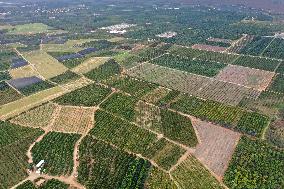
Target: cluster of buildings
{"points": [[118, 28]]}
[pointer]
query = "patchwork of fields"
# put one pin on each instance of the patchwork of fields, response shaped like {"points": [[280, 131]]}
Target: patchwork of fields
{"points": [[132, 106]]}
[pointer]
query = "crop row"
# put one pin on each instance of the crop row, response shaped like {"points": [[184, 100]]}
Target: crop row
{"points": [[56, 149], [103, 72], [277, 84], [36, 117], [171, 124], [199, 67], [14, 143], [49, 184], [256, 46], [133, 86], [8, 94], [112, 168], [255, 164], [65, 77], [250, 123], [90, 95], [130, 137]]}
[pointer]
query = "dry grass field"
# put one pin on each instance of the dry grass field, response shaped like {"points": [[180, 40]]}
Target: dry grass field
{"points": [[25, 71], [45, 64], [17, 107]]}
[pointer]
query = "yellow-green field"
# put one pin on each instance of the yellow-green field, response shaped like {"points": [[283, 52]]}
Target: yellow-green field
{"points": [[25, 71], [15, 108], [46, 65], [72, 45], [32, 28], [69, 46], [90, 64]]}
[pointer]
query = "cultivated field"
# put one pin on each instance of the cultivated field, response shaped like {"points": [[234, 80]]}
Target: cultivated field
{"points": [[192, 174], [57, 149], [256, 79], [26, 103], [14, 143], [192, 84], [73, 120], [208, 48], [46, 65], [25, 71], [216, 146], [37, 117], [29, 29], [90, 64]]}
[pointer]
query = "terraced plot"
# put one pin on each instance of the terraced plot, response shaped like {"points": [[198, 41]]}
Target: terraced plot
{"points": [[74, 120]]}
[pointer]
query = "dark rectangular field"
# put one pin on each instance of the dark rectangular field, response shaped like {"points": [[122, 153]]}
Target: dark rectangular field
{"points": [[24, 82], [87, 51], [69, 56], [18, 62]]}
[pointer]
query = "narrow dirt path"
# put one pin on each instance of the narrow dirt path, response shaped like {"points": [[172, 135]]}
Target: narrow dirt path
{"points": [[29, 152]]}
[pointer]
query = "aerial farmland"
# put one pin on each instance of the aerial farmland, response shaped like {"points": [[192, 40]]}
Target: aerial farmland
{"points": [[144, 95]]}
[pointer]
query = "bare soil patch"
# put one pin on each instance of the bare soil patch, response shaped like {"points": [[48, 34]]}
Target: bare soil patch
{"points": [[208, 48], [253, 78], [216, 147]]}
